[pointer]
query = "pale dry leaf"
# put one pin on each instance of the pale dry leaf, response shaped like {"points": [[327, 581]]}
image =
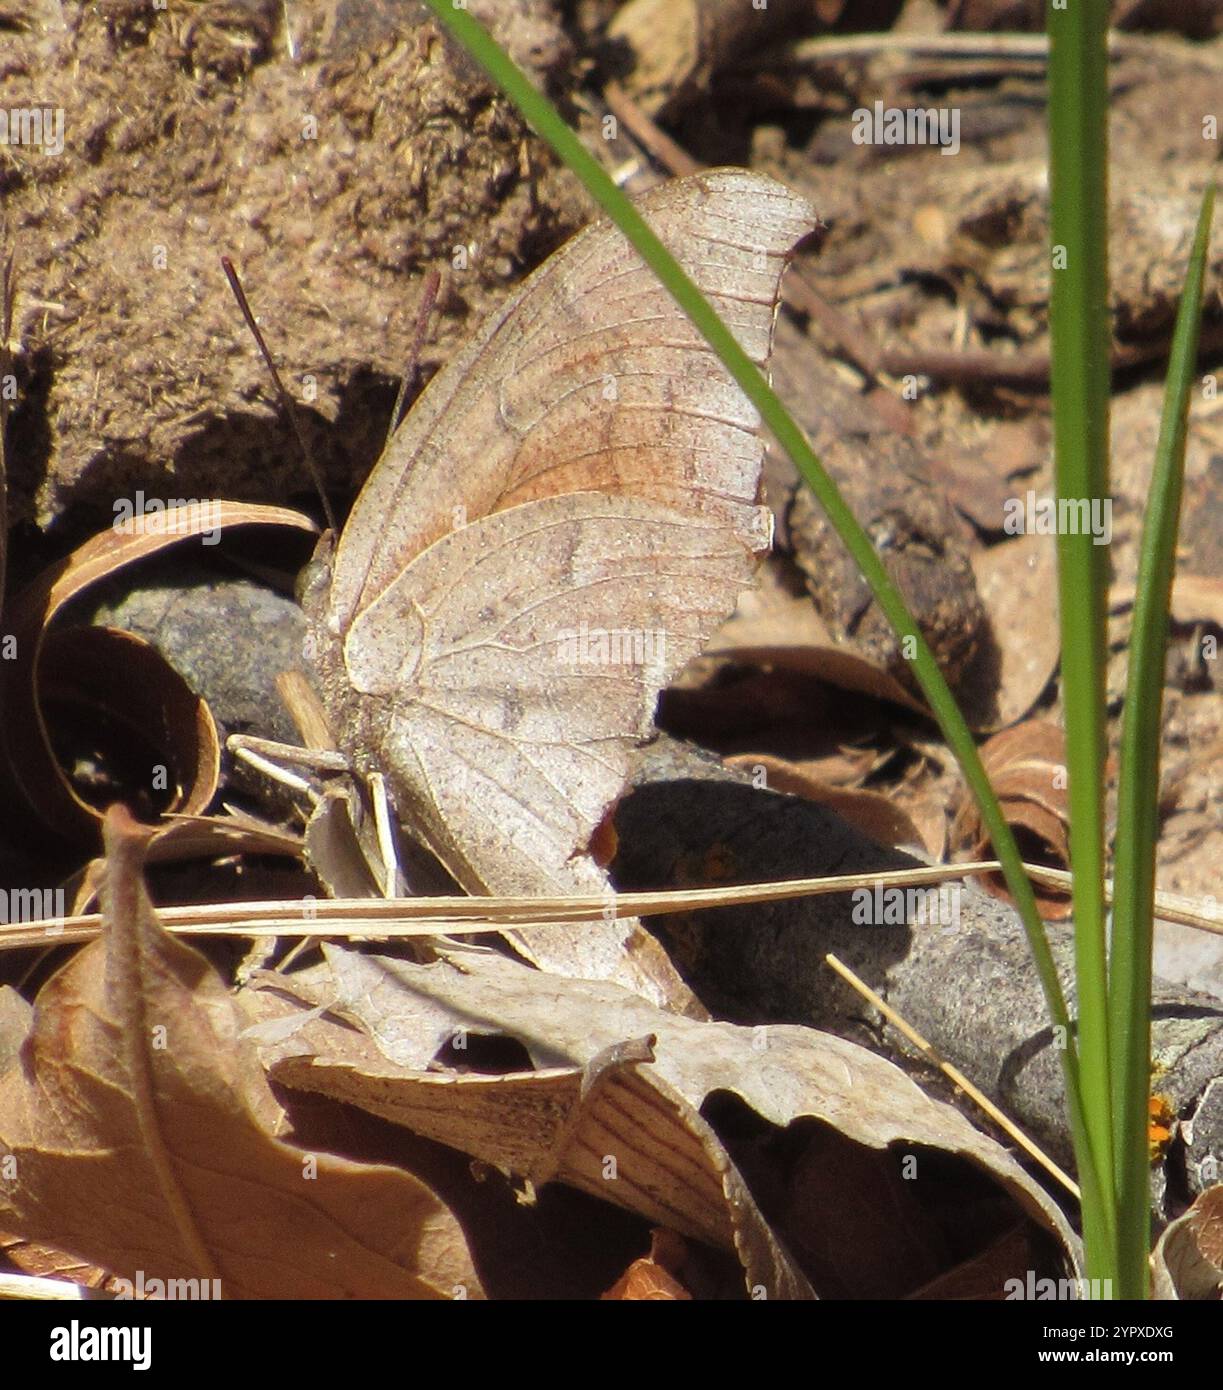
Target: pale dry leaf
{"points": [[589, 1100], [776, 612], [561, 1122], [142, 1134]]}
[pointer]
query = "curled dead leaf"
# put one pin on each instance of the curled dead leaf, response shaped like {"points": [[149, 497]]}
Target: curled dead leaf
{"points": [[1188, 1260], [776, 627], [1027, 767], [109, 679], [872, 812]]}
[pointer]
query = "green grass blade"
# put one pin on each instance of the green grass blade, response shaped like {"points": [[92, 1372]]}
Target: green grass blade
{"points": [[1138, 792], [547, 122], [1080, 343]]}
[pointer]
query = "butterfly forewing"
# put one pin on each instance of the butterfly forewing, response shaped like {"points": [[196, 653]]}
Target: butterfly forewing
{"points": [[590, 377]]}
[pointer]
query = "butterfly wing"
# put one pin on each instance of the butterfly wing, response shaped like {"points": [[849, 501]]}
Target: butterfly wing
{"points": [[528, 650], [515, 664], [569, 511], [590, 377]]}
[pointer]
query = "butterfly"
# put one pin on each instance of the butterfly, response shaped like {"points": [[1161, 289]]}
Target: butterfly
{"points": [[568, 512]]}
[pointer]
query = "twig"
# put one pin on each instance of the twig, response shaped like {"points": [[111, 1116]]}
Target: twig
{"points": [[655, 141], [372, 917], [968, 48], [1029, 370]]}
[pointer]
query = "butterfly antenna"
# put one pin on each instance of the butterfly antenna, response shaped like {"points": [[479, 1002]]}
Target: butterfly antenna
{"points": [[288, 404], [428, 298]]}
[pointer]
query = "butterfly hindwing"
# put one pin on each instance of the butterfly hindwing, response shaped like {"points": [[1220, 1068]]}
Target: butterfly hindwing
{"points": [[520, 659]]}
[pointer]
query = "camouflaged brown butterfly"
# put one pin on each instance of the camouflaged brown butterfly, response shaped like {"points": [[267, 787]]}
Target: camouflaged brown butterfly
{"points": [[606, 472]]}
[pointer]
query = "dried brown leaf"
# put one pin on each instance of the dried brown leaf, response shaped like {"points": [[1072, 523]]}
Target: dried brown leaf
{"points": [[1188, 1260], [872, 812], [594, 1107], [142, 1136], [776, 627], [1027, 768], [653, 1278], [15, 1018], [1017, 582]]}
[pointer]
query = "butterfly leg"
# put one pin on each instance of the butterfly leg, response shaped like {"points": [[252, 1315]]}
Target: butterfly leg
{"points": [[268, 757], [393, 879]]}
